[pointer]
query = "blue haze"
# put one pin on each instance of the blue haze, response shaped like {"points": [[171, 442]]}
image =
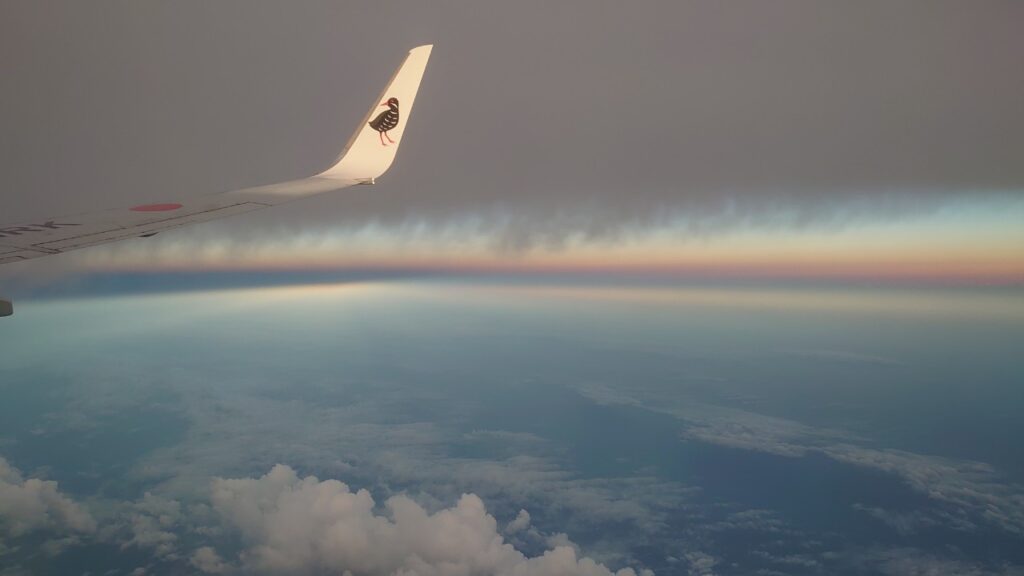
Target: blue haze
{"points": [[792, 431]]}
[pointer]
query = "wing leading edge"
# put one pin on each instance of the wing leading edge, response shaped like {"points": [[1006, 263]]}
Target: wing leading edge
{"points": [[368, 154]]}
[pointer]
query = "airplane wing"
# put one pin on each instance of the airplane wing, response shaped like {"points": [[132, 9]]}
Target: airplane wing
{"points": [[368, 154]]}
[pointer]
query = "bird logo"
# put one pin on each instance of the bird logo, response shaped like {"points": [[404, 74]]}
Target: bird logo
{"points": [[386, 120]]}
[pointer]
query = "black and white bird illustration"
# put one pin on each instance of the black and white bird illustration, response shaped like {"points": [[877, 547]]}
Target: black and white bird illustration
{"points": [[386, 120]]}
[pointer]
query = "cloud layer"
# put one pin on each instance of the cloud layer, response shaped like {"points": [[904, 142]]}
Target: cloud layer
{"points": [[972, 492], [294, 525]]}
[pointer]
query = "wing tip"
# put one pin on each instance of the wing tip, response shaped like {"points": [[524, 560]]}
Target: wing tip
{"points": [[363, 158]]}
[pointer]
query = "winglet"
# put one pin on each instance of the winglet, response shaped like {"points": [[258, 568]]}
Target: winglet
{"points": [[372, 148]]}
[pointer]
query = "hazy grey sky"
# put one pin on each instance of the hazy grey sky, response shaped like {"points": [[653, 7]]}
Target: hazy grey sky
{"points": [[590, 115]]}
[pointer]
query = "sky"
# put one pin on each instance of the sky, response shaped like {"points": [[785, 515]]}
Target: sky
{"points": [[698, 288], [869, 141]]}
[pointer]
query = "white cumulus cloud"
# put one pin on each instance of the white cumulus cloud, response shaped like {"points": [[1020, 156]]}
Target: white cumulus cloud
{"points": [[520, 523], [293, 525], [153, 522], [30, 504], [207, 560]]}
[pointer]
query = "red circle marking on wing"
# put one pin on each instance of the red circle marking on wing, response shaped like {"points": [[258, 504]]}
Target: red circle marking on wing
{"points": [[156, 208]]}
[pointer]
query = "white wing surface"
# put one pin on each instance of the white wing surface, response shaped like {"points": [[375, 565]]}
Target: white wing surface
{"points": [[368, 154]]}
